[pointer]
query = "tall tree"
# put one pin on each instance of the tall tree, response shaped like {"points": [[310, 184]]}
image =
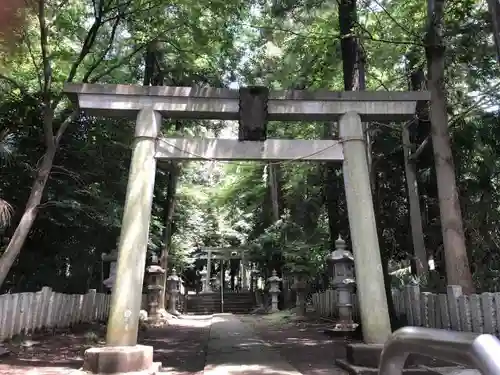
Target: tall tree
{"points": [[353, 76], [494, 9], [457, 262], [106, 19], [106, 54], [416, 77]]}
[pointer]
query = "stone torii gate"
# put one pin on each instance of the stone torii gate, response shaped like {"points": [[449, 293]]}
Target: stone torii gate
{"points": [[224, 253], [149, 104]]}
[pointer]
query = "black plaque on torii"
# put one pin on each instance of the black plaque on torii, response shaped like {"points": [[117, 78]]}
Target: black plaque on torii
{"points": [[253, 113]]}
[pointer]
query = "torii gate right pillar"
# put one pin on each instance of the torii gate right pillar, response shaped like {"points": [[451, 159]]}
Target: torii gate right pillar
{"points": [[368, 264]]}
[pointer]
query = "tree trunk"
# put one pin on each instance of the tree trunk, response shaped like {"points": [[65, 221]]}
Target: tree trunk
{"points": [[28, 218], [331, 189], [167, 236], [273, 171], [332, 183], [457, 262], [43, 172], [354, 79], [385, 259], [416, 83], [417, 233], [494, 9], [274, 187], [348, 44]]}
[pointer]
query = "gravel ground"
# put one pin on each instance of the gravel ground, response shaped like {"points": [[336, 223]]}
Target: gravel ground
{"points": [[302, 343]]}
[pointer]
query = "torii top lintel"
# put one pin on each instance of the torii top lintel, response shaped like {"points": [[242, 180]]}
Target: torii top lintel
{"points": [[223, 104]]}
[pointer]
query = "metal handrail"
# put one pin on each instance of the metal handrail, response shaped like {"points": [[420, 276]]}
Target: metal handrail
{"points": [[468, 349]]}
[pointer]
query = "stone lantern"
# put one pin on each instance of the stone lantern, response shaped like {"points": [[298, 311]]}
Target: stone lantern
{"points": [[341, 268], [204, 280], [155, 288], [254, 279], [300, 285], [112, 259], [173, 287], [274, 290]]}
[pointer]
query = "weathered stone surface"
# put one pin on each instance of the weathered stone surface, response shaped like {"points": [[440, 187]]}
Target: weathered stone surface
{"points": [[452, 370], [368, 355], [223, 104], [126, 300], [118, 359], [365, 245], [360, 370], [232, 149], [143, 315]]}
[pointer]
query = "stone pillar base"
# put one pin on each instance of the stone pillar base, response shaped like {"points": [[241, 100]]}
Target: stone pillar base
{"points": [[120, 360], [345, 330], [174, 313], [364, 358], [166, 315]]}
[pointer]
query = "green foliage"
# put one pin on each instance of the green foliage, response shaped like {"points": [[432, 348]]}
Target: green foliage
{"points": [[286, 241], [80, 214]]}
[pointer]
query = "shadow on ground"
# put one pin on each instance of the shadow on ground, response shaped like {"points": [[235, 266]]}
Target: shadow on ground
{"points": [[50, 353], [301, 343], [179, 346]]}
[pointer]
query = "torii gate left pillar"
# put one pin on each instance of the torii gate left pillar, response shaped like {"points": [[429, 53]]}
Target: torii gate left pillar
{"points": [[148, 104]]}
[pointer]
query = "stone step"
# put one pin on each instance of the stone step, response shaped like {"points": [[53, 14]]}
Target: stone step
{"points": [[363, 359], [226, 295], [217, 306], [235, 300], [362, 370], [368, 355], [226, 302], [217, 300], [209, 312], [210, 303], [451, 370]]}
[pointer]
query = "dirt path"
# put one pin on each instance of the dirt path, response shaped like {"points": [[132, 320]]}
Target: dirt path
{"points": [[50, 354], [180, 347], [302, 344]]}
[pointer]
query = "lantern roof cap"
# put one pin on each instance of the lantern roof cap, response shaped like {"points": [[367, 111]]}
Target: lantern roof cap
{"points": [[173, 276], [339, 243], [155, 287], [155, 269], [274, 277], [340, 254], [349, 280]]}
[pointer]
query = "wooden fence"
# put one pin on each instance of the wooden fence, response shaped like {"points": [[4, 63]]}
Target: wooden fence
{"points": [[26, 312], [478, 313], [325, 303]]}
